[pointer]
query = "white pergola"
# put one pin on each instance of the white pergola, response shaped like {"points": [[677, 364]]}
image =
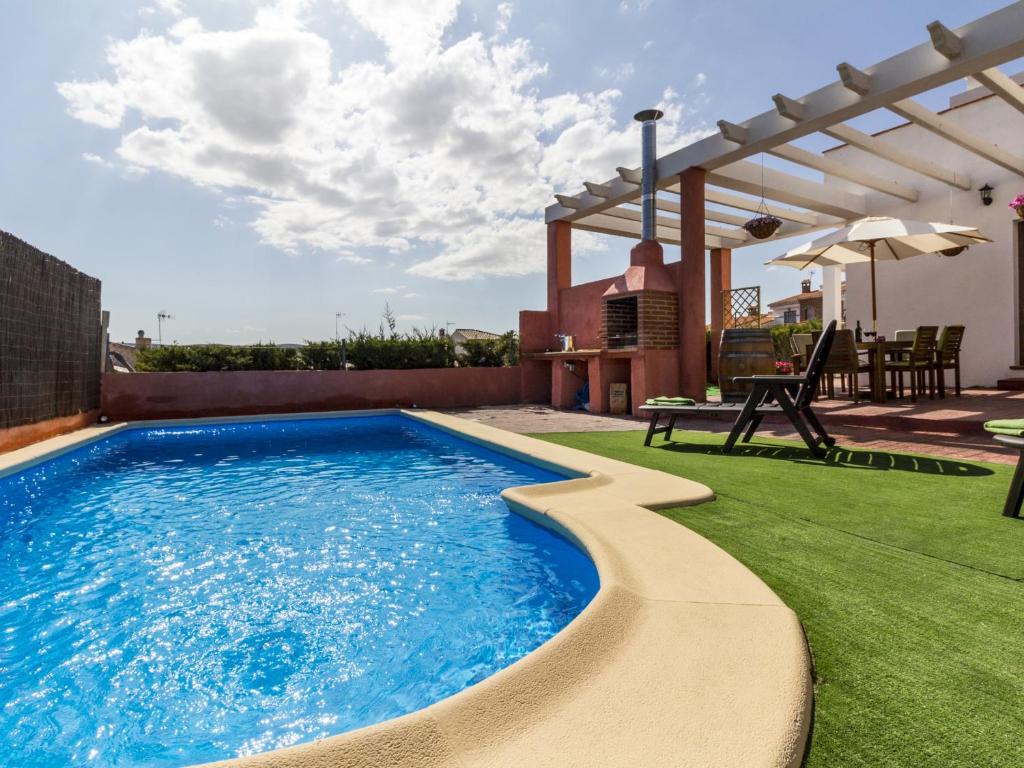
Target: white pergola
{"points": [[732, 183]]}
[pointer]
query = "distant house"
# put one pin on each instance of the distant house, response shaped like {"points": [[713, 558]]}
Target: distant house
{"points": [[121, 356], [461, 335], [803, 306]]}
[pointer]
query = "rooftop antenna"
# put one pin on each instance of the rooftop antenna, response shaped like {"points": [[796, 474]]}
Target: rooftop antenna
{"points": [[160, 317], [337, 319]]}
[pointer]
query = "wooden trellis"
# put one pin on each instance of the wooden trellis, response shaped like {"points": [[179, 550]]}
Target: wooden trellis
{"points": [[741, 307]]}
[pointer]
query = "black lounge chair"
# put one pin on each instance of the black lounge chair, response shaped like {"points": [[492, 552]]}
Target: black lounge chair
{"points": [[791, 396]]}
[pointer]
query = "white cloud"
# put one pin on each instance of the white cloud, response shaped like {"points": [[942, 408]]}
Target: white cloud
{"points": [[699, 80], [352, 258], [173, 7], [631, 6], [443, 146], [389, 289], [127, 171], [618, 74], [504, 17]]}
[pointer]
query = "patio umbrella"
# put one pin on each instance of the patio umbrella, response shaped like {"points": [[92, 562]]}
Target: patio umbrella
{"points": [[880, 237]]}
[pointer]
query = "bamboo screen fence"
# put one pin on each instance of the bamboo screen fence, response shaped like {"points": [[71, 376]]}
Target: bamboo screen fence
{"points": [[49, 336]]}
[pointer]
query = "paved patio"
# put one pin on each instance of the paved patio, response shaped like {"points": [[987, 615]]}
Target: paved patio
{"points": [[949, 428]]}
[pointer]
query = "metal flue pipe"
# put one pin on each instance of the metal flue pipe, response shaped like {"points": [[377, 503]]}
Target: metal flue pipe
{"points": [[649, 156]]}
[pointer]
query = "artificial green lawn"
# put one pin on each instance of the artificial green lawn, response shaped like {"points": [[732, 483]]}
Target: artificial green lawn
{"points": [[904, 573]]}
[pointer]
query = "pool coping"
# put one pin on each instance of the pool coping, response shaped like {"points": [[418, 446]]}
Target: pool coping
{"points": [[684, 657]]}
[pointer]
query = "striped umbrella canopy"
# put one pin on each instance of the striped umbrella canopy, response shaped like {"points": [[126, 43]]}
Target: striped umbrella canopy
{"points": [[880, 238]]}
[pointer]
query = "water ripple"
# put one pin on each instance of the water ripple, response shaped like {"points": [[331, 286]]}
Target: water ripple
{"points": [[179, 595]]}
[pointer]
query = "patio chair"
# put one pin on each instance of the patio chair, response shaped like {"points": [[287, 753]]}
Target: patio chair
{"points": [[798, 344], [917, 361], [790, 396], [947, 356], [845, 360]]}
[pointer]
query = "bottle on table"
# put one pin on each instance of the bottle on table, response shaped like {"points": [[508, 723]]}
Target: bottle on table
{"points": [[858, 333]]}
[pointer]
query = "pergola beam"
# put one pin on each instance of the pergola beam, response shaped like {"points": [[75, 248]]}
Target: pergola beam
{"points": [[945, 41], [752, 179], [937, 124], [732, 132], [843, 171], [808, 221], [597, 190], [1002, 86], [987, 42], [794, 110], [879, 148], [739, 235], [983, 45], [620, 227], [747, 204]]}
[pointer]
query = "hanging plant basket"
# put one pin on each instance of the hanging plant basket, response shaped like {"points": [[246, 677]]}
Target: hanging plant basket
{"points": [[763, 227], [953, 251], [1020, 211], [1018, 205]]}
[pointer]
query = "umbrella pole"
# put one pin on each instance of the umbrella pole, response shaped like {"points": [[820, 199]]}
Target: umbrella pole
{"points": [[874, 303]]}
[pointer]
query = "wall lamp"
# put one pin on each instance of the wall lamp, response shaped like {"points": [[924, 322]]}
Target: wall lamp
{"points": [[986, 194]]}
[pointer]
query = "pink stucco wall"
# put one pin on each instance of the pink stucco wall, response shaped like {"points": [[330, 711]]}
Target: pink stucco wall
{"points": [[181, 395], [579, 310]]}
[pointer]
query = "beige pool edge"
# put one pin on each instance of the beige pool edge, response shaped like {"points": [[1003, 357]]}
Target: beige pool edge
{"points": [[684, 657]]}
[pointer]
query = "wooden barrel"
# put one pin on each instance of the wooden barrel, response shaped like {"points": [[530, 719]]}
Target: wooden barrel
{"points": [[743, 352]]}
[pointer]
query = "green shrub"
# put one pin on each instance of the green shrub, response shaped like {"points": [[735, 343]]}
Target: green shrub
{"points": [[419, 349], [365, 351], [269, 357], [322, 355], [491, 353], [217, 357], [781, 334]]}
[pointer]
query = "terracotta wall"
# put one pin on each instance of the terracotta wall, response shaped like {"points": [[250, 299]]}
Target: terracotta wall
{"points": [[179, 395], [26, 434], [579, 309]]}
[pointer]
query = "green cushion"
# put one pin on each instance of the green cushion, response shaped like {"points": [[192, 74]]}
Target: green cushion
{"points": [[663, 400], [1013, 427]]}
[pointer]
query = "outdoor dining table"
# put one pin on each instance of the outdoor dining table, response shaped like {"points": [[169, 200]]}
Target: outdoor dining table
{"points": [[878, 351]]}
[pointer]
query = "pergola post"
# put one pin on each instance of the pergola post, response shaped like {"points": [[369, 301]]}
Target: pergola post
{"points": [[721, 280], [832, 295], [559, 268], [690, 286]]}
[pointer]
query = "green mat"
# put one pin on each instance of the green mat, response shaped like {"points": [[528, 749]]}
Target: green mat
{"points": [[670, 401], [1013, 427]]}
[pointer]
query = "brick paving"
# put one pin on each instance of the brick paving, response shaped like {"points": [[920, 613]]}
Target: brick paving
{"points": [[953, 444], [964, 414]]}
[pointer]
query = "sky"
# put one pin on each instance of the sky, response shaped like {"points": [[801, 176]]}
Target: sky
{"points": [[254, 168]]}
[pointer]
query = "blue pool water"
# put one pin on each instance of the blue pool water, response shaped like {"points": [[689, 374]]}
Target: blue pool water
{"points": [[174, 596]]}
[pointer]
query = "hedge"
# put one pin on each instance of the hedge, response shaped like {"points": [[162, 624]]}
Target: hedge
{"points": [[363, 351], [781, 334]]}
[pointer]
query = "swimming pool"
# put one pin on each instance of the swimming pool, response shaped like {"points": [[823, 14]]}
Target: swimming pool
{"points": [[177, 595]]}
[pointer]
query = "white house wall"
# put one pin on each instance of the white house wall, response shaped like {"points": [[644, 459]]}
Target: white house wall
{"points": [[977, 288]]}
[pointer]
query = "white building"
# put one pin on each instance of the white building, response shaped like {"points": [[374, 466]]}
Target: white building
{"points": [[981, 288]]}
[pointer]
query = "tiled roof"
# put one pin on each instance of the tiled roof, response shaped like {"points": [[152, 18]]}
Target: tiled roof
{"points": [[797, 298], [473, 333]]}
